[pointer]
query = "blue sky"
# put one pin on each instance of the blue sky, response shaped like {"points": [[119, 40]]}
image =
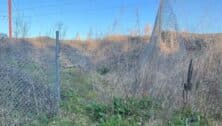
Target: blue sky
{"points": [[202, 16], [81, 16]]}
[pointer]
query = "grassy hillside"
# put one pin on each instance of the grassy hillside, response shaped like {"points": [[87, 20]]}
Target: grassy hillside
{"points": [[106, 82], [81, 105]]}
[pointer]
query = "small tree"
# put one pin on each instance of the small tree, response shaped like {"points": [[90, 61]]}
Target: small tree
{"points": [[90, 34], [57, 27], [61, 28], [78, 38], [147, 30], [21, 27], [138, 21]]}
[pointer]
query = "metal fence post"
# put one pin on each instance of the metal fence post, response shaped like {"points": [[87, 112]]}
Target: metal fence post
{"points": [[58, 80]]}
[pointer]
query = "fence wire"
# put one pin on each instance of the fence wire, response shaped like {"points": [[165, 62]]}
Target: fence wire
{"points": [[27, 81]]}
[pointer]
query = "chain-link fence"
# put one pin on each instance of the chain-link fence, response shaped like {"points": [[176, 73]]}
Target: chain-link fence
{"points": [[97, 69], [27, 81], [182, 33]]}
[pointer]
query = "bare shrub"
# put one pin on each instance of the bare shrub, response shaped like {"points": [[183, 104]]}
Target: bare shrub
{"points": [[21, 27]]}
